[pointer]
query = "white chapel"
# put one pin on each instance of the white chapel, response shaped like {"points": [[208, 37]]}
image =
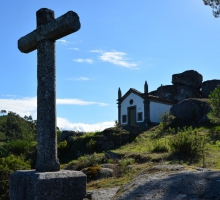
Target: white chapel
{"points": [[137, 108]]}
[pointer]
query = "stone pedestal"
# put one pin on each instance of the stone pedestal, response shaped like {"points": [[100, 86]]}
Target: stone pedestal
{"points": [[33, 185]]}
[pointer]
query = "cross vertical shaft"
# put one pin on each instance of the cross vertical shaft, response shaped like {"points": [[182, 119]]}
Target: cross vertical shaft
{"points": [[46, 99], [53, 184], [43, 39]]}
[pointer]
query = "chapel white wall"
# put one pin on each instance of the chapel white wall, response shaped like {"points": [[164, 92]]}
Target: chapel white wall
{"points": [[137, 101], [156, 109]]}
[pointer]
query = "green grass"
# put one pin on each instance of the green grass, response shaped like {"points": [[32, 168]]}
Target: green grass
{"points": [[153, 147]]}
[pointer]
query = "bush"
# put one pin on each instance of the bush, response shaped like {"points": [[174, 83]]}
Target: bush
{"points": [[127, 161], [214, 97], [2, 136], [17, 147], [92, 172], [3, 151], [7, 166], [187, 144], [4, 184], [92, 145], [166, 119], [62, 145], [160, 146], [88, 161]]}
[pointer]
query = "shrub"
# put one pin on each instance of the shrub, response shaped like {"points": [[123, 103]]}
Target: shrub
{"points": [[17, 147], [2, 136], [62, 145], [127, 161], [59, 133], [160, 146], [187, 144], [3, 151], [166, 119], [31, 154], [214, 97], [89, 160], [92, 145], [7, 166], [92, 172]]}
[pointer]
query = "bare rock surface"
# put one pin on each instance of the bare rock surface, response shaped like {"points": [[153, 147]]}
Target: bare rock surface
{"points": [[191, 110], [102, 194], [190, 78], [167, 182], [209, 86]]}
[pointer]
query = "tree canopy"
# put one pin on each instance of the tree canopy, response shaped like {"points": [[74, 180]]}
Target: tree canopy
{"points": [[215, 5]]}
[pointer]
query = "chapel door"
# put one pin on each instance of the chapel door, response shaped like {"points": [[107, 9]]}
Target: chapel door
{"points": [[132, 115]]}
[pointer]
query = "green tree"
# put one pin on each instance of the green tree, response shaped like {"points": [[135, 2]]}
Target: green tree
{"points": [[215, 5], [214, 97], [26, 117], [3, 112]]}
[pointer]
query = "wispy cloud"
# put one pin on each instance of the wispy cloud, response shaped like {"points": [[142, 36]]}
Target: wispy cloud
{"points": [[10, 95], [97, 51], [79, 102], [28, 105], [64, 124], [62, 41], [80, 60], [82, 78], [116, 58], [76, 49]]}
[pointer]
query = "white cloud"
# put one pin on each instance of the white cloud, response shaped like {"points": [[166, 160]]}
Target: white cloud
{"points": [[10, 95], [25, 106], [76, 49], [116, 58], [64, 124], [62, 41], [79, 102], [28, 105], [82, 78], [97, 51], [90, 61]]}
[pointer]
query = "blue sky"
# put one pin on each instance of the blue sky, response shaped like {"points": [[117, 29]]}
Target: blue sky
{"points": [[121, 43]]}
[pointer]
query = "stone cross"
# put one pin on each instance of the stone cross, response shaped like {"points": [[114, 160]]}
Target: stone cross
{"points": [[43, 39]]}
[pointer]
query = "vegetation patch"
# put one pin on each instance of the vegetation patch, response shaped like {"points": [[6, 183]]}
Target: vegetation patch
{"points": [[92, 172]]}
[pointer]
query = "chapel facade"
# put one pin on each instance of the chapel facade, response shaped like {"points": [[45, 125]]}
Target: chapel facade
{"points": [[137, 108]]}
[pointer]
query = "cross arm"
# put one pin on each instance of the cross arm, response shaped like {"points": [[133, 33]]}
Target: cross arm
{"points": [[54, 30]]}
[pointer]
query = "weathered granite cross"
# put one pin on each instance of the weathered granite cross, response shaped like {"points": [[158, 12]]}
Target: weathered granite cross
{"points": [[43, 39]]}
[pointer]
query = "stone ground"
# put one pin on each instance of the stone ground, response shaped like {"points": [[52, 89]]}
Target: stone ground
{"points": [[102, 194], [165, 182]]}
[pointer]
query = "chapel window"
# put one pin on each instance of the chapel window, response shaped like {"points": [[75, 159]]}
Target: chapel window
{"points": [[124, 118], [140, 117]]}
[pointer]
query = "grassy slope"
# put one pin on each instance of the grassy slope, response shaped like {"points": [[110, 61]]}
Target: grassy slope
{"points": [[152, 148]]}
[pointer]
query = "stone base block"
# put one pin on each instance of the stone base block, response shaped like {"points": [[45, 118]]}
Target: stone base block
{"points": [[60, 185]]}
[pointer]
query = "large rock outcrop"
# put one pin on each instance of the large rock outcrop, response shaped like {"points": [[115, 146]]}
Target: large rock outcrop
{"points": [[172, 183], [177, 92], [209, 86], [191, 110], [190, 78]]}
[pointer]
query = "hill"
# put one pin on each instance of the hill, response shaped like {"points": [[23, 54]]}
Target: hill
{"points": [[108, 165]]}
